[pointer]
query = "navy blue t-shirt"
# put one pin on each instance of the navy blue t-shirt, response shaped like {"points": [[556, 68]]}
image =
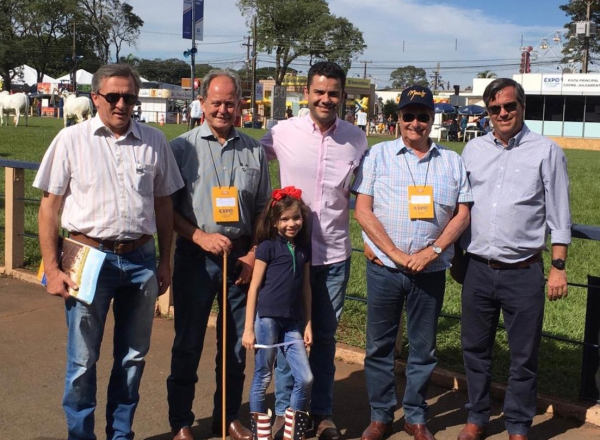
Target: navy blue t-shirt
{"points": [[280, 295]]}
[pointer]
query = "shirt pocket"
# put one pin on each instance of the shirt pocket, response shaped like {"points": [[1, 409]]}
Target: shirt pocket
{"points": [[143, 180], [445, 191], [342, 173], [246, 180]]}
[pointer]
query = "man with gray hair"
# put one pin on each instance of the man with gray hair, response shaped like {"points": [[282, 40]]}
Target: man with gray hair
{"points": [[226, 187], [113, 178], [520, 193]]}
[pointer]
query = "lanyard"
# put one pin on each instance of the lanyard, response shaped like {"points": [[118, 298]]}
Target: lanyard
{"points": [[411, 174], [291, 248], [215, 165]]}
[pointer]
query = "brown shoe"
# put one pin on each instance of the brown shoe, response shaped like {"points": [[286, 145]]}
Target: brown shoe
{"points": [[278, 426], [517, 437], [184, 433], [324, 427], [235, 429], [419, 431], [471, 431], [377, 431]]}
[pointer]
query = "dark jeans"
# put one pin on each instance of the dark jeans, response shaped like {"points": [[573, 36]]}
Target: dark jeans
{"points": [[387, 290], [197, 278], [519, 294]]}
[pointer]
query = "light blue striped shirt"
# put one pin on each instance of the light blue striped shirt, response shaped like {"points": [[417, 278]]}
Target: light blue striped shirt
{"points": [[385, 175], [520, 193]]}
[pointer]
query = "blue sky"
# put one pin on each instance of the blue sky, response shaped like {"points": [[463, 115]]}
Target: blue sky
{"points": [[465, 37]]}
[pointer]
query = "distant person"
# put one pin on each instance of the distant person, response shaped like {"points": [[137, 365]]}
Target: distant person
{"points": [[361, 120], [196, 112], [184, 114], [289, 113], [463, 126], [521, 195], [112, 179], [279, 308]]}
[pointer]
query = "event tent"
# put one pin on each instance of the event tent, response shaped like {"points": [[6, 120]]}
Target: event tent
{"points": [[83, 77], [28, 75]]}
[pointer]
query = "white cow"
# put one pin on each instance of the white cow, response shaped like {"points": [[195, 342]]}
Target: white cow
{"points": [[19, 103], [78, 108]]}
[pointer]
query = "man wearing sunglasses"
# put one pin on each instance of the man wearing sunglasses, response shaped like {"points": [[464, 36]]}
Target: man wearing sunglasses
{"points": [[412, 203], [113, 178], [521, 192]]}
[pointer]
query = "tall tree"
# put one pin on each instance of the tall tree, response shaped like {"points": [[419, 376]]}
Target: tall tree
{"points": [[291, 29], [574, 49], [408, 76], [13, 50]]}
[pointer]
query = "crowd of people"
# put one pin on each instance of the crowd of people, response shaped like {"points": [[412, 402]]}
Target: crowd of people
{"points": [[423, 209]]}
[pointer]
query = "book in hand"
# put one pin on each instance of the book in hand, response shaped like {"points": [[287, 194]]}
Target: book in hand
{"points": [[82, 263]]}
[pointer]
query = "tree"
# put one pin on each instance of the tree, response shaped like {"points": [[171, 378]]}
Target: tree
{"points": [[575, 47], [487, 74], [13, 52], [291, 29], [390, 108], [407, 76]]}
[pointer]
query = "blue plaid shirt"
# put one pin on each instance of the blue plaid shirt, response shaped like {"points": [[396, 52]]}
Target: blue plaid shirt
{"points": [[385, 175]]}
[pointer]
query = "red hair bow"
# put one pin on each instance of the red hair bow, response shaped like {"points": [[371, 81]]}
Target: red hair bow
{"points": [[291, 191]]}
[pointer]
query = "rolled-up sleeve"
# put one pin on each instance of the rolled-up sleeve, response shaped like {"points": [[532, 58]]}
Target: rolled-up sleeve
{"points": [[365, 178]]}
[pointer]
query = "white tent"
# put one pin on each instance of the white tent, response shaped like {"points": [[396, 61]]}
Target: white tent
{"points": [[83, 77], [28, 75]]}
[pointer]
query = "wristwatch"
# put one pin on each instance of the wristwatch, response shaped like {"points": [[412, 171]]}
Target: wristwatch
{"points": [[559, 264], [436, 249]]}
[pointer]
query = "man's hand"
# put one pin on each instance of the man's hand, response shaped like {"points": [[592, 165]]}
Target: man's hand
{"points": [[58, 283], [214, 243], [557, 284], [419, 261], [248, 339], [247, 264], [308, 335], [163, 276]]}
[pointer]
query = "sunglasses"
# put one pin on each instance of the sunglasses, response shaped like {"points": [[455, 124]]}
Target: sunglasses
{"points": [[113, 98], [496, 109], [421, 117]]}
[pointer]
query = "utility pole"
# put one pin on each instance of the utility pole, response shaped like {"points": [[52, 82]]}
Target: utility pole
{"points": [[253, 70], [248, 45], [74, 80], [193, 51], [365, 71], [586, 38], [436, 76]]}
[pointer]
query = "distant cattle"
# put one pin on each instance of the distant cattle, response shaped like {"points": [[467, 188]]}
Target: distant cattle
{"points": [[78, 108], [17, 103]]}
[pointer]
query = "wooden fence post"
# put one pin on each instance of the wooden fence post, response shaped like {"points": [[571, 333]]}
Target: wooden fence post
{"points": [[14, 220]]}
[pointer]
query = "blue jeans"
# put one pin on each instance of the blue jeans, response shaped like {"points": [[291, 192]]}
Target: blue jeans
{"points": [[271, 331], [328, 283], [130, 280], [197, 279], [387, 290], [519, 294]]}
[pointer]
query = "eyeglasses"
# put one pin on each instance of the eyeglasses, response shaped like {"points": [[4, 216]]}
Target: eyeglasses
{"points": [[496, 109], [113, 98], [421, 117]]}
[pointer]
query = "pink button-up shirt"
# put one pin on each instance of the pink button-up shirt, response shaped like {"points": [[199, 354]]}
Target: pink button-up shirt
{"points": [[322, 166]]}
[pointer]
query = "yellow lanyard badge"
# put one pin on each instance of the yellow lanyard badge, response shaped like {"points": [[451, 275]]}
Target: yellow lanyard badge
{"points": [[225, 204], [420, 202]]}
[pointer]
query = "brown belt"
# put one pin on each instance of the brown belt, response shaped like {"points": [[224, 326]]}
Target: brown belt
{"points": [[500, 265], [116, 246]]}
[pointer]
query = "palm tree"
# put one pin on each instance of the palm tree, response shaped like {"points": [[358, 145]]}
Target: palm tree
{"points": [[487, 74]]}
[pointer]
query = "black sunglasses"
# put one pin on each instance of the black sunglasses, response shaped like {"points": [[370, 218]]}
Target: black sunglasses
{"points": [[421, 117], [113, 98], [496, 109]]}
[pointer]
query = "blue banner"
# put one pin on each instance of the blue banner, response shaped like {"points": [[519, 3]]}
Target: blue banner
{"points": [[187, 20]]}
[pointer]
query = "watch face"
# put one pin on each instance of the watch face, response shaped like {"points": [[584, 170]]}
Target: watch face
{"points": [[558, 263], [436, 249]]}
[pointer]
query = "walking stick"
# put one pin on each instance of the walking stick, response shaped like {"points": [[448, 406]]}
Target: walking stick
{"points": [[223, 348]]}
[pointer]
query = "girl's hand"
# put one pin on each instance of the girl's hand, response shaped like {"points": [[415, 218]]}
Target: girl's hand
{"points": [[308, 336], [248, 339]]}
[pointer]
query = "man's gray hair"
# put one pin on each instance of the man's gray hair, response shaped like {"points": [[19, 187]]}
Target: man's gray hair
{"points": [[495, 86], [233, 76], [110, 70]]}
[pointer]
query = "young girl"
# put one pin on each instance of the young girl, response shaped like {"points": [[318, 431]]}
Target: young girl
{"points": [[279, 292]]}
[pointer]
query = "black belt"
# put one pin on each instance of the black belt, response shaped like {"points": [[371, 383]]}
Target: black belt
{"points": [[500, 265]]}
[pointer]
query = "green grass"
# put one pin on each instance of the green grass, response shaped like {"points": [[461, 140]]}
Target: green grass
{"points": [[560, 362]]}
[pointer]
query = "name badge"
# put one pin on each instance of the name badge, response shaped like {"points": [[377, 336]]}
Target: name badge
{"points": [[420, 202], [225, 204]]}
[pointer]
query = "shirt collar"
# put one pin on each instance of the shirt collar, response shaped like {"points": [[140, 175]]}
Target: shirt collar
{"points": [[98, 125], [402, 148], [314, 126], [515, 141], [206, 133]]}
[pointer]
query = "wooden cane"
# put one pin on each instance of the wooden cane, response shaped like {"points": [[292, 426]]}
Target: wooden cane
{"points": [[224, 347]]}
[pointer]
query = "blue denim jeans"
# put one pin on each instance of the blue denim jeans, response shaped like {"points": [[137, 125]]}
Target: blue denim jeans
{"points": [[197, 279], [328, 283], [130, 280], [519, 294], [271, 331], [387, 290]]}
